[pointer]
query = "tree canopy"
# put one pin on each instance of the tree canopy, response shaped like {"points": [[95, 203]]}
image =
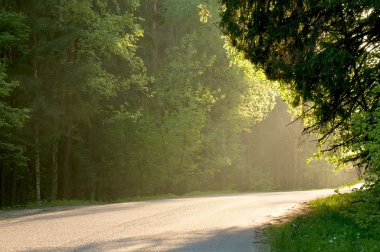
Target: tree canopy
{"points": [[325, 54]]}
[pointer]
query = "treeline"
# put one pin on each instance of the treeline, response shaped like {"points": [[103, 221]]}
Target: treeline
{"points": [[279, 156], [325, 55], [112, 98]]}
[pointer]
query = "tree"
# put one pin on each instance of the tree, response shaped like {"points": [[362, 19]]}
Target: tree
{"points": [[14, 34], [78, 71], [12, 154], [326, 56], [192, 128]]}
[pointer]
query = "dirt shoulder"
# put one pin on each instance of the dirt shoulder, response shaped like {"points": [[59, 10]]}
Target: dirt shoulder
{"points": [[260, 236]]}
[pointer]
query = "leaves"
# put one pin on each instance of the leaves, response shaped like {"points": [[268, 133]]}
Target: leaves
{"points": [[320, 53], [10, 118], [204, 14]]}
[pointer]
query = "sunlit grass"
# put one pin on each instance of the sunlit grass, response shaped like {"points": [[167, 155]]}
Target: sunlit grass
{"points": [[145, 197], [209, 193], [342, 222], [352, 183]]}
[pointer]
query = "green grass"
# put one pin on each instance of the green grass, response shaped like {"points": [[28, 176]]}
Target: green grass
{"points": [[209, 193], [54, 203], [147, 197], [59, 203], [342, 222], [352, 183]]}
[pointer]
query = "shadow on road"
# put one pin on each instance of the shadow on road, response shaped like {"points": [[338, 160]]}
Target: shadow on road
{"points": [[53, 213], [225, 240]]}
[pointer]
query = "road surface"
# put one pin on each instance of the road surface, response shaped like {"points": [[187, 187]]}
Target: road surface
{"points": [[218, 223]]}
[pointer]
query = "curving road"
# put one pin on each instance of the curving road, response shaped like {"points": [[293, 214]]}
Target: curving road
{"points": [[219, 223]]}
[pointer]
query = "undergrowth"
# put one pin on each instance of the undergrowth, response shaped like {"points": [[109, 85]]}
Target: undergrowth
{"points": [[342, 222], [49, 203]]}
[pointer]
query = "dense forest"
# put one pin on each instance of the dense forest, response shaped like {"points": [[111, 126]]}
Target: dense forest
{"points": [[104, 99], [325, 55]]}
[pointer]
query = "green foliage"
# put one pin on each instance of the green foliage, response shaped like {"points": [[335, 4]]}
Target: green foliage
{"points": [[190, 135], [204, 14], [10, 119], [14, 34], [325, 56], [79, 71], [343, 222], [368, 124]]}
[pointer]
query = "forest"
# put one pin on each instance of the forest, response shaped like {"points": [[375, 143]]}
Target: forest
{"points": [[105, 99]]}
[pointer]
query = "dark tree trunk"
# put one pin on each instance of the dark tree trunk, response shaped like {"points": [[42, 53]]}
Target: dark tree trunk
{"points": [[140, 184], [66, 167], [3, 188], [37, 162], [99, 183], [54, 172], [37, 138], [13, 186]]}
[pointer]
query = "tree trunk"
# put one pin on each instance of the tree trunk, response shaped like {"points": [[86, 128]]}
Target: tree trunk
{"points": [[140, 175], [154, 28], [54, 172], [224, 146], [3, 194], [248, 164], [154, 21], [97, 195], [99, 187], [66, 168], [13, 186], [37, 162], [37, 139]]}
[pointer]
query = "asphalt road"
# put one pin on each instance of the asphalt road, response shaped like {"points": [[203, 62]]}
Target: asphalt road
{"points": [[219, 223]]}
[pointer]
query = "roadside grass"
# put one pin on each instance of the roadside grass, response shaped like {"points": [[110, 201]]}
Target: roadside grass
{"points": [[341, 222], [176, 196], [53, 203], [68, 203], [145, 197], [352, 183], [209, 193]]}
